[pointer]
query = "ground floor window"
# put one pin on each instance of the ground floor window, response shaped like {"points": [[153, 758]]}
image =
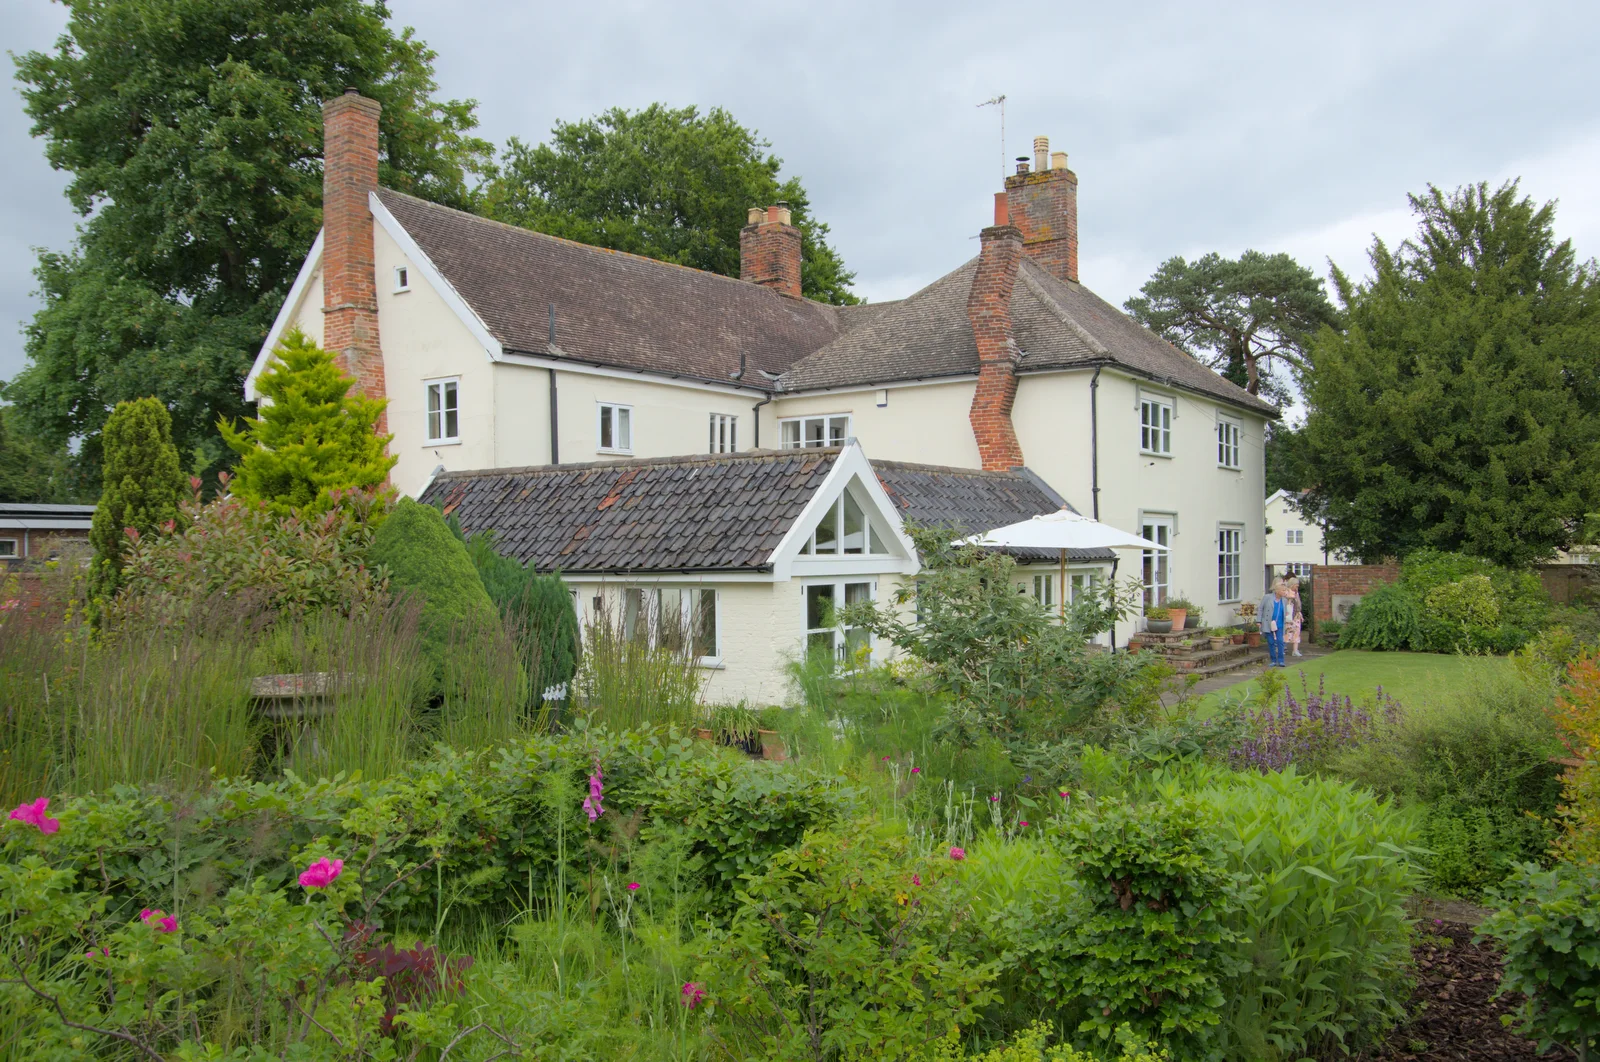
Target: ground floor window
{"points": [[675, 618], [1044, 590], [826, 632], [1156, 571], [1301, 570], [8, 547], [1229, 540], [1083, 583]]}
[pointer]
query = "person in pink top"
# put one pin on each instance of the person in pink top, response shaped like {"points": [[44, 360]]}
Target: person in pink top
{"points": [[1291, 626]]}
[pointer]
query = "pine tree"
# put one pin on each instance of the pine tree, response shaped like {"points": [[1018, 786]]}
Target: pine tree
{"points": [[143, 487], [313, 436]]}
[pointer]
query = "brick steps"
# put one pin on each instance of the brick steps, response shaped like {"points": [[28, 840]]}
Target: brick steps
{"points": [[1203, 662]]}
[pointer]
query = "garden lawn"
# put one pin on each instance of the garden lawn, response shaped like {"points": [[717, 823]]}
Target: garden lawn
{"points": [[1409, 678]]}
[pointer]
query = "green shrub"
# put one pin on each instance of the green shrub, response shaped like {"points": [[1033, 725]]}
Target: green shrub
{"points": [[424, 558], [1386, 618], [1550, 933], [1465, 618], [143, 487], [1153, 946], [841, 949], [1033, 1045], [1480, 765]]}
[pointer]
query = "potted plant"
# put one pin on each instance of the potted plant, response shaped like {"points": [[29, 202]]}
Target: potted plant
{"points": [[1135, 643], [736, 726], [1177, 610], [1219, 637], [1252, 633], [1237, 636], [1158, 620], [772, 746]]}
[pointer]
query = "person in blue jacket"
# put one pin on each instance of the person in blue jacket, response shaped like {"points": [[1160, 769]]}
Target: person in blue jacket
{"points": [[1274, 612]]}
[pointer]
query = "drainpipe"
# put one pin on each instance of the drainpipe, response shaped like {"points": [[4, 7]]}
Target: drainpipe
{"points": [[555, 434], [755, 413], [1094, 457], [1114, 560]]}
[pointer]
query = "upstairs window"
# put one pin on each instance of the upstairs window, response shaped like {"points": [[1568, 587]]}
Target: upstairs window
{"points": [[444, 411], [828, 430], [1155, 426], [1228, 443], [1295, 536], [724, 433], [844, 529], [402, 278], [616, 428]]}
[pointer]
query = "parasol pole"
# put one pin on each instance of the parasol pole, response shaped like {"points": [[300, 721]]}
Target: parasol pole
{"points": [[1062, 598]]}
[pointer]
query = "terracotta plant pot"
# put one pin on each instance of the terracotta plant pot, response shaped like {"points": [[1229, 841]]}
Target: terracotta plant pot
{"points": [[1253, 638], [1219, 643], [772, 747], [1159, 626], [1134, 645], [1177, 616], [1238, 639], [703, 734]]}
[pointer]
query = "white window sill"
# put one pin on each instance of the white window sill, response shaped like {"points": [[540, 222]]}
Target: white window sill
{"points": [[1155, 453], [711, 663], [613, 450], [442, 442], [1231, 468], [400, 291]]}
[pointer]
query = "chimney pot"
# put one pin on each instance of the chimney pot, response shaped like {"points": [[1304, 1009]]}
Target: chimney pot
{"points": [[352, 92], [1058, 160], [756, 216], [780, 214], [1022, 164], [1041, 153], [1002, 216]]}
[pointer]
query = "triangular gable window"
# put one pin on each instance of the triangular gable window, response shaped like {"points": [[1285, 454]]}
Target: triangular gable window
{"points": [[846, 529]]}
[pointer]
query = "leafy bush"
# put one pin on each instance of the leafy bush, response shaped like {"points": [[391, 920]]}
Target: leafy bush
{"points": [[1153, 947], [1550, 932], [1387, 617], [841, 949], [424, 558], [1033, 1045], [314, 441], [1577, 717], [1464, 617], [1466, 610], [291, 567], [1481, 765], [143, 487]]}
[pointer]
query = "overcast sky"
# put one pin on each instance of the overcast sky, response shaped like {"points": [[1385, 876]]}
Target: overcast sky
{"points": [[1191, 127]]}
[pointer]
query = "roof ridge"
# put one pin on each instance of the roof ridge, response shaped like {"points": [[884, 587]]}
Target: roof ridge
{"points": [[642, 462], [918, 466], [469, 216]]}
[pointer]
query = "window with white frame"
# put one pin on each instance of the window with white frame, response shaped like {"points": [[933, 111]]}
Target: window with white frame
{"points": [[674, 618], [1044, 590], [1155, 425], [1228, 443], [1229, 562], [826, 633], [615, 428], [8, 547], [1295, 536], [844, 529], [724, 433], [831, 429], [1156, 566], [444, 411], [1082, 583], [1298, 568], [402, 279]]}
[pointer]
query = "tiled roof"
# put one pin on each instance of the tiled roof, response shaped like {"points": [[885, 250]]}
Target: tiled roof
{"points": [[612, 308], [1057, 325], [968, 501], [725, 512]]}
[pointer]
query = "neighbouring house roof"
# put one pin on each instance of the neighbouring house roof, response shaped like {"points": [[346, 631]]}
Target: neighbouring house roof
{"points": [[31, 516], [1057, 326], [969, 501], [612, 308], [724, 512]]}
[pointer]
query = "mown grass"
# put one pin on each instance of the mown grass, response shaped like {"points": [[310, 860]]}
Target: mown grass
{"points": [[1410, 678]]}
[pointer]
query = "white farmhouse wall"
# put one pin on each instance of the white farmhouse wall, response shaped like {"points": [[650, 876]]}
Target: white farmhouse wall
{"points": [[668, 420], [926, 423], [1283, 518]]}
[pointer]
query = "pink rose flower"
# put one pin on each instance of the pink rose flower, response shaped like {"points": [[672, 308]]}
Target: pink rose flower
{"points": [[633, 886], [957, 853], [916, 770], [916, 879], [34, 815], [693, 993], [321, 874]]}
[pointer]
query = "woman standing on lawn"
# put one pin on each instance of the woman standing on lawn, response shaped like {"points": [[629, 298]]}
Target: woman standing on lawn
{"points": [[1291, 602], [1271, 615]]}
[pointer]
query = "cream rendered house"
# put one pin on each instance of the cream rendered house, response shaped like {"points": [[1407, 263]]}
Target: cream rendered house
{"points": [[502, 348], [1294, 543]]}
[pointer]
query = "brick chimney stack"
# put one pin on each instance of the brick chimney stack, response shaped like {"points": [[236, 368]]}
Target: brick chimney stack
{"points": [[769, 250], [1044, 205], [989, 313], [349, 286]]}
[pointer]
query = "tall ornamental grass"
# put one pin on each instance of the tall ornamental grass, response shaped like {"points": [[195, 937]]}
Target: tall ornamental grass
{"points": [[639, 669], [35, 638]]}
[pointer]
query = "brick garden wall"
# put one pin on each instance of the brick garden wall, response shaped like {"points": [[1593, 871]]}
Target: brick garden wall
{"points": [[1564, 582], [1330, 580]]}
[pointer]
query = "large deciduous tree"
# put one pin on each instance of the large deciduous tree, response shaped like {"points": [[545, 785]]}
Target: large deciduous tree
{"points": [[1242, 316], [668, 183], [193, 133], [1461, 408], [31, 471]]}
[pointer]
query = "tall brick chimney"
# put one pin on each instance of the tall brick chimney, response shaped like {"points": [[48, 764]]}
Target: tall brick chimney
{"points": [[769, 250], [1044, 205], [349, 286], [989, 312]]}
